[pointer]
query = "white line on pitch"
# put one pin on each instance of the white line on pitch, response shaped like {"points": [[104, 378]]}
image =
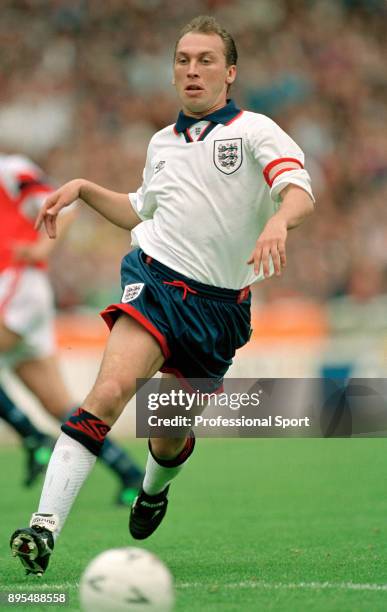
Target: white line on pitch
{"points": [[39, 586], [343, 586]]}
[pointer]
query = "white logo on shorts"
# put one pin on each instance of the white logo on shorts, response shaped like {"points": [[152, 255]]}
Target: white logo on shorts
{"points": [[131, 292]]}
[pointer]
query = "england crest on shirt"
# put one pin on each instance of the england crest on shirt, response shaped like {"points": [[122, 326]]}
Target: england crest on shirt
{"points": [[228, 154], [131, 292]]}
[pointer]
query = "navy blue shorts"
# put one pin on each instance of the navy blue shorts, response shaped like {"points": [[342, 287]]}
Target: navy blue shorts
{"points": [[198, 326]]}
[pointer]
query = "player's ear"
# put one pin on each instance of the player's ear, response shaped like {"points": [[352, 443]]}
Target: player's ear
{"points": [[231, 74]]}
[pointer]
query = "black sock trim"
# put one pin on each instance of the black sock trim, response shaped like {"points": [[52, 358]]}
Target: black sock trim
{"points": [[87, 429], [184, 454], [156, 497]]}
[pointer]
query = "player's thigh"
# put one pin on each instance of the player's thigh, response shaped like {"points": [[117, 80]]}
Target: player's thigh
{"points": [[43, 377], [8, 338], [197, 401], [131, 353]]}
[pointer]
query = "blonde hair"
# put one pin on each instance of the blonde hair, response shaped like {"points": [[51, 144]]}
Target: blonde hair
{"points": [[208, 25]]}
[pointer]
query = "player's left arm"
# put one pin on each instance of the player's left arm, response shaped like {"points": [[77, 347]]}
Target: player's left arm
{"points": [[296, 205]]}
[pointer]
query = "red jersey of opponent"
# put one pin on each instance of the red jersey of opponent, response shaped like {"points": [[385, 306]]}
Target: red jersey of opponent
{"points": [[23, 189]]}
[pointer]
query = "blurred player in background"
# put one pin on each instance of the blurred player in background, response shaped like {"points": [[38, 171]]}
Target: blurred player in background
{"points": [[27, 344], [221, 188]]}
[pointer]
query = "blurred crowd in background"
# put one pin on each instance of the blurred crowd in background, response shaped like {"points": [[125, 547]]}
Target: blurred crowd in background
{"points": [[85, 83]]}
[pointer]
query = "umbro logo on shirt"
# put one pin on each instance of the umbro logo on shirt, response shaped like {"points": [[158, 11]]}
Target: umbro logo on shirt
{"points": [[159, 166]]}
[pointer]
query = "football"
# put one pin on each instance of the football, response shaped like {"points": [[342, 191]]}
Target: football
{"points": [[126, 579]]}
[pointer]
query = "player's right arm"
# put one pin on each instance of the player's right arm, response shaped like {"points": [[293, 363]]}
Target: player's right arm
{"points": [[116, 207]]}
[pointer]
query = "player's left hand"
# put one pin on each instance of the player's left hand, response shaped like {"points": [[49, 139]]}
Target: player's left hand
{"points": [[270, 244]]}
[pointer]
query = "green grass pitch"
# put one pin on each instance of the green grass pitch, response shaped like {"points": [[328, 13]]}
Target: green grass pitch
{"points": [[285, 525]]}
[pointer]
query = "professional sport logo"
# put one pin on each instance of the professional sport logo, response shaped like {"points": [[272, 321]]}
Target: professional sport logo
{"points": [[228, 155], [131, 292]]}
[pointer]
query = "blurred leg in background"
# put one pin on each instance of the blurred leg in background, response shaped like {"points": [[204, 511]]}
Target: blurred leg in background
{"points": [[36, 444], [43, 378]]}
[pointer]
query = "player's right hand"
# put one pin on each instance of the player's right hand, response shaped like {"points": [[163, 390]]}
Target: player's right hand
{"points": [[62, 197]]}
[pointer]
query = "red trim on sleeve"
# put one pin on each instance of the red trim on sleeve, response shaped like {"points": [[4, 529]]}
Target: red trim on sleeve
{"points": [[281, 160], [111, 313], [280, 172], [234, 118]]}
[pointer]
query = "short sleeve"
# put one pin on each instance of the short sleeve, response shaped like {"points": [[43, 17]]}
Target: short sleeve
{"points": [[281, 160], [143, 205]]}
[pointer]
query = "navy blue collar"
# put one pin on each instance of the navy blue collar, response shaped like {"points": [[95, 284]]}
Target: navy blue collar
{"points": [[223, 115]]}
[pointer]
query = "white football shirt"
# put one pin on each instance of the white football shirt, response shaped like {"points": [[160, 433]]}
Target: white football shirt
{"points": [[209, 187]]}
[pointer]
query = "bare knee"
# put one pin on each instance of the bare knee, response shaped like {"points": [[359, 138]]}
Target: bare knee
{"points": [[107, 399], [167, 448]]}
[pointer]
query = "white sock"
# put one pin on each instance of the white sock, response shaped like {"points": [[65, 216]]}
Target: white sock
{"points": [[69, 466], [157, 477]]}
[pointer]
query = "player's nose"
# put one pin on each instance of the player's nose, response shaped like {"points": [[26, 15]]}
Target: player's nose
{"points": [[193, 69]]}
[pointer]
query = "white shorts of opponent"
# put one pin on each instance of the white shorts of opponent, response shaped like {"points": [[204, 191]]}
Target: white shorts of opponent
{"points": [[27, 308]]}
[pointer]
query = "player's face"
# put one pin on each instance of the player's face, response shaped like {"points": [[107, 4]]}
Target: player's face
{"points": [[201, 76]]}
